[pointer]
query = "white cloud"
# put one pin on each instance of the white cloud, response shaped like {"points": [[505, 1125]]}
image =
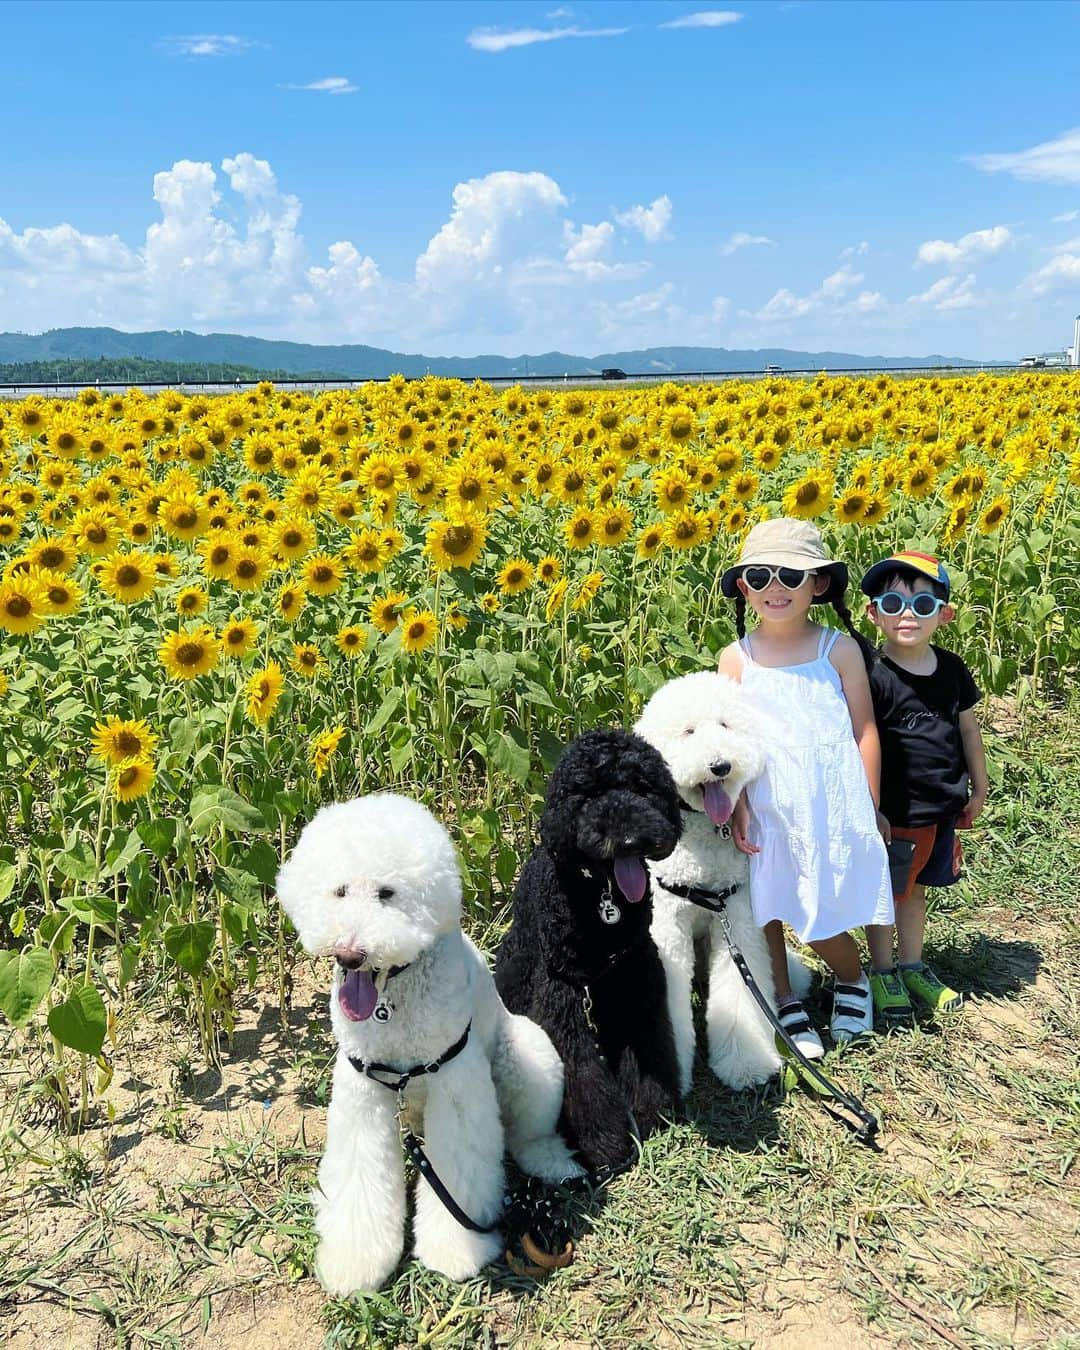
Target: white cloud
{"points": [[742, 240], [979, 243], [948, 293], [785, 304], [720, 308], [705, 18], [209, 44], [651, 222], [501, 40], [561, 13], [331, 84], [859, 250], [1062, 272], [586, 250], [1055, 161], [1066, 217]]}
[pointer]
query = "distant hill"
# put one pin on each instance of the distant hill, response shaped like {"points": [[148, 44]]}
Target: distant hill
{"points": [[137, 370], [211, 351]]}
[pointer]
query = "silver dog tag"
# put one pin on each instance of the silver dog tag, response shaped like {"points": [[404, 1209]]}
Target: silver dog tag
{"points": [[383, 1010], [724, 831], [609, 911]]}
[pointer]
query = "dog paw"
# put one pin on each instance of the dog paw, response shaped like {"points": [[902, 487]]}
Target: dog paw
{"points": [[343, 1272], [461, 1257]]}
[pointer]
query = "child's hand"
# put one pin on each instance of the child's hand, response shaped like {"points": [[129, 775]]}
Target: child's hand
{"points": [[970, 814], [884, 828], [740, 823]]}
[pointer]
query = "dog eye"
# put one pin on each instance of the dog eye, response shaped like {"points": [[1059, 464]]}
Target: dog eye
{"points": [[385, 892], [724, 725], [689, 731], [340, 892]]}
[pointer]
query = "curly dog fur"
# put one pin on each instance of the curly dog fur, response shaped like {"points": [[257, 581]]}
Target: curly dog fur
{"points": [[594, 983]]}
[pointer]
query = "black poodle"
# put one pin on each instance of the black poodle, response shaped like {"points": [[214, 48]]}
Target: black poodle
{"points": [[578, 958]]}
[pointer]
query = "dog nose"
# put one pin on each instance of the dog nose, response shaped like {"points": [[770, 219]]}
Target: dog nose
{"points": [[349, 957], [721, 768]]}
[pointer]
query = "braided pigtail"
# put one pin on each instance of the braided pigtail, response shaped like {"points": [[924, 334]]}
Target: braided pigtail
{"points": [[867, 648], [740, 615]]}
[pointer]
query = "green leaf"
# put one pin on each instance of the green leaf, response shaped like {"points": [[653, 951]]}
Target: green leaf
{"points": [[190, 944], [57, 931], [78, 862], [387, 708], [80, 1021], [86, 907], [118, 858], [221, 806], [24, 981], [7, 879], [240, 885], [129, 960], [509, 754], [235, 918], [261, 859], [159, 836]]}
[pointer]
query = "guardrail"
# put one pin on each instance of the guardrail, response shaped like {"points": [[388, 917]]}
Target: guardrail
{"points": [[588, 378]]}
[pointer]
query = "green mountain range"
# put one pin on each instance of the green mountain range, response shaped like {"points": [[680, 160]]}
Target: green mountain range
{"points": [[216, 350]]}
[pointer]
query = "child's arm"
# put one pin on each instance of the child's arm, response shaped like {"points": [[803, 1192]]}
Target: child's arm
{"points": [[851, 668], [975, 755], [730, 663]]}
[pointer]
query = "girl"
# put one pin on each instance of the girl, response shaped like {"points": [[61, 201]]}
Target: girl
{"points": [[817, 858]]}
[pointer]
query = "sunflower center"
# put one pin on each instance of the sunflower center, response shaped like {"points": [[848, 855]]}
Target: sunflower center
{"points": [[219, 556], [96, 534], [247, 568], [417, 630], [185, 519], [323, 574], [128, 575], [190, 653], [128, 776], [128, 744], [581, 529], [458, 540], [807, 494], [18, 607]]}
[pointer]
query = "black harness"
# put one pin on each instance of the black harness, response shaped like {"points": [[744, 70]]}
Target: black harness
{"points": [[715, 903]]}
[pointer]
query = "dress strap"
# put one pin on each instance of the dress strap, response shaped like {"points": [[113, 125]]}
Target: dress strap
{"points": [[744, 647], [828, 641]]}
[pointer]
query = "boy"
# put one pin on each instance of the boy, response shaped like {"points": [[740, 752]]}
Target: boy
{"points": [[931, 757]]}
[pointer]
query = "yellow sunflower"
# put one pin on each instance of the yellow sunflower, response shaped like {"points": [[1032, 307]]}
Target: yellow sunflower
{"points": [[239, 636], [116, 740], [56, 553], [63, 594], [291, 599], [323, 573], [322, 747], [992, 516], [192, 600], [418, 629], [351, 640], [808, 496], [132, 778], [650, 541], [307, 660], [455, 543], [555, 597], [685, 529], [129, 577], [588, 590], [515, 576], [262, 693], [548, 570], [292, 538], [386, 611], [23, 604], [190, 653], [250, 569], [851, 504], [580, 529], [455, 617]]}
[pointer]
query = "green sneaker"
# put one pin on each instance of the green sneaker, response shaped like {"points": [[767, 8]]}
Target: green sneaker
{"points": [[891, 1002], [924, 985]]}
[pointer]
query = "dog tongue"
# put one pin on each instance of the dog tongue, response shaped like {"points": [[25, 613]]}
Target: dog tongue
{"points": [[717, 803], [630, 878], [357, 996]]}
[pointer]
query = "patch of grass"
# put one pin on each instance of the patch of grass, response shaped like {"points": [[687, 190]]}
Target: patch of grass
{"points": [[754, 1218]]}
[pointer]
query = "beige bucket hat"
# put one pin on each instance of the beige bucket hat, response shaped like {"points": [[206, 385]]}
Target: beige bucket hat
{"points": [[787, 543]]}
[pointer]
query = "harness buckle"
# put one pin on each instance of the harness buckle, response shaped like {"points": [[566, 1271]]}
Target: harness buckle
{"points": [[433, 1067]]}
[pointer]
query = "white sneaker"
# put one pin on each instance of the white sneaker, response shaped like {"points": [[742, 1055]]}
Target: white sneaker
{"points": [[797, 1024], [853, 1011]]}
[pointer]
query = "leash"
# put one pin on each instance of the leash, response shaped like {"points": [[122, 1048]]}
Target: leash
{"points": [[715, 902], [528, 1212]]}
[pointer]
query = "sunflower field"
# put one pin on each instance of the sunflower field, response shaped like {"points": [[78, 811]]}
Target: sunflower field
{"points": [[217, 613]]}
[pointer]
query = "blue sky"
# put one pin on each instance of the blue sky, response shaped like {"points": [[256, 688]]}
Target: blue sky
{"points": [[506, 177]]}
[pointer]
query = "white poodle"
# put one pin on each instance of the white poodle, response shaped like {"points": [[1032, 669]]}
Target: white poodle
{"points": [[707, 732], [374, 882]]}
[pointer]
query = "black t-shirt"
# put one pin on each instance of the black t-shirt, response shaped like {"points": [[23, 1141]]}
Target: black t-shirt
{"points": [[924, 774]]}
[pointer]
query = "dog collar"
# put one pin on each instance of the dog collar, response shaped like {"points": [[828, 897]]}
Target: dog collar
{"points": [[400, 1077], [700, 895]]}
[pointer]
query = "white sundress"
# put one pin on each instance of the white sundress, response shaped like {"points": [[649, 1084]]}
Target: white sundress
{"points": [[822, 868]]}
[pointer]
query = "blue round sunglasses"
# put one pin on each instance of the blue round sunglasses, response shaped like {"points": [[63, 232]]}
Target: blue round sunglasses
{"points": [[922, 604]]}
